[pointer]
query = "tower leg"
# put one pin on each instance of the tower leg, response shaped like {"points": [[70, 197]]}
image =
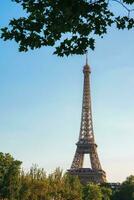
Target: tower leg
{"points": [[95, 163], [77, 161]]}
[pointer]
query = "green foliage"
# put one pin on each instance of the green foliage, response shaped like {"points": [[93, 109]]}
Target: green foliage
{"points": [[106, 193], [34, 184], [37, 185], [126, 191], [9, 177], [72, 188], [92, 192], [68, 25]]}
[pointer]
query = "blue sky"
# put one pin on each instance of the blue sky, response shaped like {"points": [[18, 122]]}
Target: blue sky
{"points": [[41, 97]]}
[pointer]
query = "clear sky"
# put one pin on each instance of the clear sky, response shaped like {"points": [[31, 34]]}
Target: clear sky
{"points": [[41, 97]]}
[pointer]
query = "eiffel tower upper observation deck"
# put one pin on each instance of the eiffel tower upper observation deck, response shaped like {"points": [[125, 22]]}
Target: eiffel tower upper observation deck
{"points": [[86, 143]]}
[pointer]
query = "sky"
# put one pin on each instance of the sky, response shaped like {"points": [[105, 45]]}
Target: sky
{"points": [[41, 99]]}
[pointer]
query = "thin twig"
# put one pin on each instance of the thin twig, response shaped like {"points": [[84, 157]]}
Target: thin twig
{"points": [[123, 5]]}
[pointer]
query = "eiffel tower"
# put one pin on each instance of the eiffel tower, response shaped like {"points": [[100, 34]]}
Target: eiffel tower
{"points": [[86, 143]]}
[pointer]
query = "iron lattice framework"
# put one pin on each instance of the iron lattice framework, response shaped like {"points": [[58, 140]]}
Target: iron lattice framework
{"points": [[86, 143]]}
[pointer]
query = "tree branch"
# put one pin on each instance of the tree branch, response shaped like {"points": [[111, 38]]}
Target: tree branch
{"points": [[123, 5]]}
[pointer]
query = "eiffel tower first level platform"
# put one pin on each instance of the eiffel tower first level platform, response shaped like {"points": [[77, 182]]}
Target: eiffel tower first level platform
{"points": [[86, 143]]}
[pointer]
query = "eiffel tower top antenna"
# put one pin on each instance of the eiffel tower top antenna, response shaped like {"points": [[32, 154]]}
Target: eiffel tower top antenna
{"points": [[87, 57], [87, 66]]}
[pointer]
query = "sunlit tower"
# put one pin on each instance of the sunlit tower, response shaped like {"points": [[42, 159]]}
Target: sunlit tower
{"points": [[86, 142]]}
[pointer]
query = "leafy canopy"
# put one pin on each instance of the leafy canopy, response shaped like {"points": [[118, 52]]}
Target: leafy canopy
{"points": [[126, 191], [9, 177], [92, 192], [68, 25], [35, 184]]}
